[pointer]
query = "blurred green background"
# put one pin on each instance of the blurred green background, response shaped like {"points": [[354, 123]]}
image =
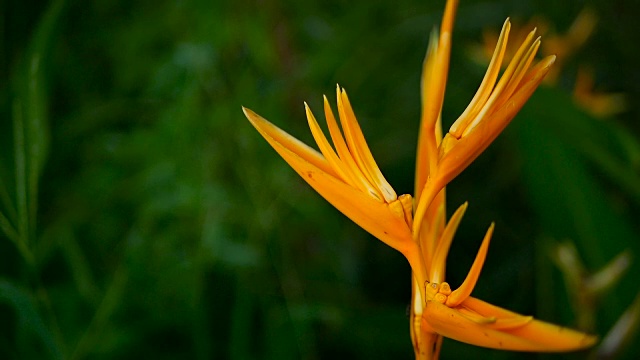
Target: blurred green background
{"points": [[141, 216]]}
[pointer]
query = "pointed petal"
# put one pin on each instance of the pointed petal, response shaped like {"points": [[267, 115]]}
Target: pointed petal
{"points": [[461, 293], [439, 261], [326, 149], [536, 73], [360, 149], [359, 180], [451, 323], [428, 139], [552, 337], [457, 154], [427, 159], [486, 87], [432, 103], [433, 187], [499, 95], [533, 336], [273, 133], [434, 79], [519, 73], [432, 228], [384, 221]]}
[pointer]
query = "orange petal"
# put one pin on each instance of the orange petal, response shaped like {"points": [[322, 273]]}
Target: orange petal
{"points": [[427, 159], [429, 137], [500, 94], [382, 220], [548, 336], [326, 149], [461, 293], [359, 180], [359, 148], [274, 134], [432, 103], [457, 154], [533, 336], [486, 87], [439, 261], [432, 188], [521, 70]]}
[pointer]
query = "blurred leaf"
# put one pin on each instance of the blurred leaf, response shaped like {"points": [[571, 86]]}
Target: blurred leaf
{"points": [[100, 321], [608, 146], [569, 199], [29, 323], [622, 333], [30, 128]]}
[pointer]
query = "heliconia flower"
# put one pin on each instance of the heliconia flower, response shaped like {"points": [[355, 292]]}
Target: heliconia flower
{"points": [[564, 46], [347, 176]]}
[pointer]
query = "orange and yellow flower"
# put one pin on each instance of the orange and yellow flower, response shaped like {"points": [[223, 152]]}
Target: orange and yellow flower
{"points": [[564, 46], [347, 176]]}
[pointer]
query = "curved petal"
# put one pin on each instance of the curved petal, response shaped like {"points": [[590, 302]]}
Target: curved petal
{"points": [[384, 221], [487, 85], [457, 154], [534, 335], [359, 148], [461, 293], [439, 261]]}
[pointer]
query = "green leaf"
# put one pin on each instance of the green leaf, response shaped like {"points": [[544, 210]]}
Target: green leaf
{"points": [[565, 155], [28, 321]]}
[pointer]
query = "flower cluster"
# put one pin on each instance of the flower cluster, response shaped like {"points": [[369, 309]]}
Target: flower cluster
{"points": [[347, 176]]}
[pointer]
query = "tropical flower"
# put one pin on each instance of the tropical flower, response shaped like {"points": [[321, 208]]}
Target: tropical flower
{"points": [[565, 46], [347, 176]]}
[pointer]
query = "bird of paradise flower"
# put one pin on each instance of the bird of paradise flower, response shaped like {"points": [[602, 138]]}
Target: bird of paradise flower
{"points": [[347, 176]]}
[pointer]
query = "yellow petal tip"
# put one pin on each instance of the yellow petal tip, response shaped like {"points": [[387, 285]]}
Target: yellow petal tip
{"points": [[248, 113]]}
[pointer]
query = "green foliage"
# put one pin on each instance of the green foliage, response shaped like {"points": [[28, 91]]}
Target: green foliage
{"points": [[141, 216]]}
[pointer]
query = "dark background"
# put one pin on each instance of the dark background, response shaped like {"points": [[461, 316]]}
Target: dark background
{"points": [[141, 216]]}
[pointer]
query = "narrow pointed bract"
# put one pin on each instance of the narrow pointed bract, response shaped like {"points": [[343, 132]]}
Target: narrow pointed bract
{"points": [[386, 221], [345, 173], [525, 334]]}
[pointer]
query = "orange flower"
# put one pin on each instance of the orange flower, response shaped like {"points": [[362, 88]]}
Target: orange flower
{"points": [[564, 46], [347, 176]]}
